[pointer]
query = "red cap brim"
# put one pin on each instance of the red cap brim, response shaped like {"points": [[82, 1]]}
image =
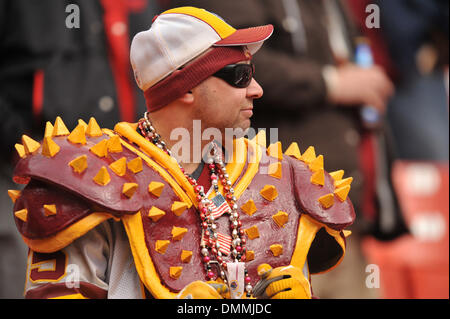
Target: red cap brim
{"points": [[247, 36]]}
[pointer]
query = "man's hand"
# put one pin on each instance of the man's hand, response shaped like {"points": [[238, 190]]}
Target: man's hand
{"points": [[281, 283], [204, 290], [351, 85]]}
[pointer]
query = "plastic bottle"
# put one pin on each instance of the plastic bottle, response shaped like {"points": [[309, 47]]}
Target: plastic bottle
{"points": [[370, 116]]}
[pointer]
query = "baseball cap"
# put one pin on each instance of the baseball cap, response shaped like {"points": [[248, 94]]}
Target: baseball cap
{"points": [[179, 35]]}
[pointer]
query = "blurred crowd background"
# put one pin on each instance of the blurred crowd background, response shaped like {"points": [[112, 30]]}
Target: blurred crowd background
{"points": [[363, 81]]}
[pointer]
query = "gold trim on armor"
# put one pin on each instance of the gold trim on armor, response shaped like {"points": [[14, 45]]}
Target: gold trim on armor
{"points": [[144, 264], [307, 230]]}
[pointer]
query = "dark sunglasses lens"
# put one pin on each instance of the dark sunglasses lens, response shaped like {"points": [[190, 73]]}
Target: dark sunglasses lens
{"points": [[243, 75]]}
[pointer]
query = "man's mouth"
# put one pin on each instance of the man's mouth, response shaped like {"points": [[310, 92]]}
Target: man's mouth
{"points": [[247, 111]]}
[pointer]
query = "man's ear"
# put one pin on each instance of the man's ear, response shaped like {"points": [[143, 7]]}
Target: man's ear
{"points": [[187, 98]]}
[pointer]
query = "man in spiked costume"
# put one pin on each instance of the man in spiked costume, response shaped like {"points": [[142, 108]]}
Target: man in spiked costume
{"points": [[114, 214]]}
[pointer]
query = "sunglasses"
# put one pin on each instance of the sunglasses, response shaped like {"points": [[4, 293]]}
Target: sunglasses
{"points": [[237, 75]]}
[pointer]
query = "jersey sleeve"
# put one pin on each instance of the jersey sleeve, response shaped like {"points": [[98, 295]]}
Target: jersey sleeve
{"points": [[78, 271]]}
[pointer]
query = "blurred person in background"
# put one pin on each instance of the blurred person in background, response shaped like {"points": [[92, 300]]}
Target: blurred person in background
{"points": [[60, 58], [316, 95], [416, 34], [411, 43]]}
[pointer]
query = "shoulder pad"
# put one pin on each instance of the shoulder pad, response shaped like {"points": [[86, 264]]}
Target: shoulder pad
{"points": [[86, 177], [319, 194], [49, 218], [95, 167], [41, 200]]}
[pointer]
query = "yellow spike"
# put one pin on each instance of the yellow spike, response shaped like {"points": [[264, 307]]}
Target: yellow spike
{"points": [[119, 167], [155, 188], [128, 189], [161, 246], [275, 150], [20, 150], [269, 192], [114, 145], [342, 192], [50, 210], [280, 218], [48, 129], [82, 123], [347, 233], [293, 150], [316, 164], [337, 175], [155, 213], [252, 232], [260, 138], [135, 165], [77, 136], [102, 178], [175, 272], [22, 214], [93, 129], [79, 164], [178, 207], [60, 129], [29, 144], [186, 256], [100, 149], [275, 170], [327, 200], [249, 207], [343, 182], [49, 147], [318, 177], [309, 155], [249, 255], [14, 194], [178, 232], [276, 249]]}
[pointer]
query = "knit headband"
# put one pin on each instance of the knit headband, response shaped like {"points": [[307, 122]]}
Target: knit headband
{"points": [[185, 79]]}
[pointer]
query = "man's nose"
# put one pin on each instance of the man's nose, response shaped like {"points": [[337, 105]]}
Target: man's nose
{"points": [[254, 90]]}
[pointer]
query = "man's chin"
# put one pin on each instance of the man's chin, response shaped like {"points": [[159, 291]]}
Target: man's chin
{"points": [[244, 127], [240, 130]]}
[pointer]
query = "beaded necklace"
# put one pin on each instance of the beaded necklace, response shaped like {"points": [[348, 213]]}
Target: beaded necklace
{"points": [[210, 244]]}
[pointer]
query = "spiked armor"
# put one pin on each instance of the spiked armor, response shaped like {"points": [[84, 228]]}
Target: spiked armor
{"points": [[76, 180]]}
